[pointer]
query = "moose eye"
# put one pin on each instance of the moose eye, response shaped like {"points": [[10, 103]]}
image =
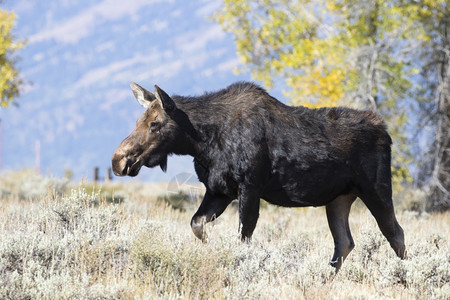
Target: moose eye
{"points": [[154, 126]]}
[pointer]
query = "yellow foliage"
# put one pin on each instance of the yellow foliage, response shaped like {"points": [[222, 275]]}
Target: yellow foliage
{"points": [[9, 76], [283, 38]]}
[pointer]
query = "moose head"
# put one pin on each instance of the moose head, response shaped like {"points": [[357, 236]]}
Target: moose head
{"points": [[152, 140]]}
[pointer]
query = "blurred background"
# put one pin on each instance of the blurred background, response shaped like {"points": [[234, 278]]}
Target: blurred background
{"points": [[66, 68]]}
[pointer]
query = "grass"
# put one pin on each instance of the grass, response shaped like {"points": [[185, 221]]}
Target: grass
{"points": [[78, 244]]}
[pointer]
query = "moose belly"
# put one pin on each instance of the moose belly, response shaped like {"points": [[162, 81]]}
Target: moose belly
{"points": [[306, 190]]}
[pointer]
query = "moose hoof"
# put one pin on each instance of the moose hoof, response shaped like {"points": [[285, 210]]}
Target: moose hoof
{"points": [[403, 254], [337, 263], [197, 228]]}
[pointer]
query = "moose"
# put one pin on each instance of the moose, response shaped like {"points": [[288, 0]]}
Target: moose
{"points": [[248, 146]]}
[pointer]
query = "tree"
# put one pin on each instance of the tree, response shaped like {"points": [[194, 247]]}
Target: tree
{"points": [[433, 16], [10, 81], [329, 53], [282, 38]]}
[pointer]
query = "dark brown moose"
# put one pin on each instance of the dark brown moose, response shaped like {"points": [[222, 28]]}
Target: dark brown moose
{"points": [[248, 145]]}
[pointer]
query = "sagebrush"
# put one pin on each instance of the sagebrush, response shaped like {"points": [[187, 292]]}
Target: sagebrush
{"points": [[80, 246]]}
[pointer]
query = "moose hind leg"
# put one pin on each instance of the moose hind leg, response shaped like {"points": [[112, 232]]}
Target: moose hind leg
{"points": [[211, 208], [377, 196], [387, 222], [337, 215]]}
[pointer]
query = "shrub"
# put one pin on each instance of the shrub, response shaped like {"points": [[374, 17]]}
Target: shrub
{"points": [[80, 246], [57, 251], [28, 184]]}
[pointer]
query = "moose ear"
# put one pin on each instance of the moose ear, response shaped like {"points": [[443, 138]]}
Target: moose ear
{"points": [[143, 96], [164, 100]]}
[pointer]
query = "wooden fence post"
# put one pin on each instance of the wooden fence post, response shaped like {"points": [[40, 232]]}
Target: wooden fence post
{"points": [[109, 176], [96, 174]]}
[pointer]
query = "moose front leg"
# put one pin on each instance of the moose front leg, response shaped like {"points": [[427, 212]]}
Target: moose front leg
{"points": [[337, 215], [248, 212], [211, 208]]}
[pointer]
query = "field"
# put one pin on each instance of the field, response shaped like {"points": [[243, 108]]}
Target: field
{"points": [[122, 241]]}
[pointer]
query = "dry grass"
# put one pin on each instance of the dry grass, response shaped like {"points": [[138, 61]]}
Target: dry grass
{"points": [[80, 246]]}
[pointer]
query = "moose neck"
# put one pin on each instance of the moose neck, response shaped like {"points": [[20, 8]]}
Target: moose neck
{"points": [[188, 139], [199, 120]]}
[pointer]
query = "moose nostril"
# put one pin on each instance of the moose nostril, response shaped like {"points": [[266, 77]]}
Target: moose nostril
{"points": [[126, 167]]}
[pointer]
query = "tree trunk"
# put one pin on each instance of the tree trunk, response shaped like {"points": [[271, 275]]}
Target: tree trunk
{"points": [[439, 196]]}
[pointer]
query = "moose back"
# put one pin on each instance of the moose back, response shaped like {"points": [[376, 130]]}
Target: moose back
{"points": [[247, 145]]}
